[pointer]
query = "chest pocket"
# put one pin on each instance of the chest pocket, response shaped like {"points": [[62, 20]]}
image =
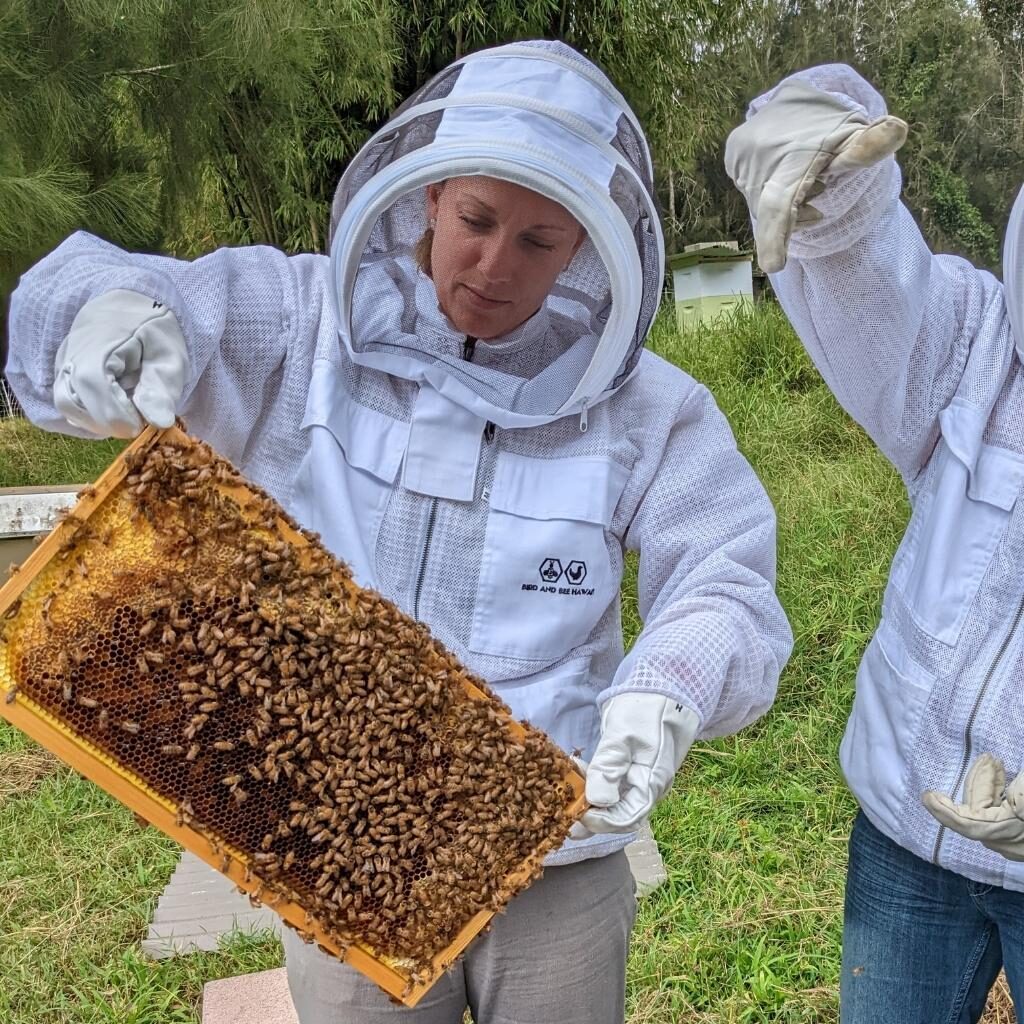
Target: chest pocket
{"points": [[956, 527], [547, 575], [343, 485]]}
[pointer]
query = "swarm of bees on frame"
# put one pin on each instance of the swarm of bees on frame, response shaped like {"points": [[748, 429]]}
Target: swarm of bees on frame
{"points": [[289, 714]]}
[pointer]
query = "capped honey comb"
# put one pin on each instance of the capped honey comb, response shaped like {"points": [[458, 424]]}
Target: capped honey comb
{"points": [[181, 641]]}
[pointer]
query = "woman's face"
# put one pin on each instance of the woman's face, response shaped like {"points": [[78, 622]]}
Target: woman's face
{"points": [[496, 252]]}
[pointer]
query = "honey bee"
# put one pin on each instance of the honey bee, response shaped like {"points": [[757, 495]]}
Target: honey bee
{"points": [[195, 725]]}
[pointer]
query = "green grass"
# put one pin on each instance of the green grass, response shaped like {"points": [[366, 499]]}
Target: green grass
{"points": [[31, 458], [753, 835], [78, 880]]}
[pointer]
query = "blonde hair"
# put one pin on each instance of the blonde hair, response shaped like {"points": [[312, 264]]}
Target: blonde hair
{"points": [[421, 251]]}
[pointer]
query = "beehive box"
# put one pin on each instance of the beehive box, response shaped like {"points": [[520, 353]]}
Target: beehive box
{"points": [[182, 642]]}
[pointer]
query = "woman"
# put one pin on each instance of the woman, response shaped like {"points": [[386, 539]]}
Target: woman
{"points": [[925, 352], [459, 402]]}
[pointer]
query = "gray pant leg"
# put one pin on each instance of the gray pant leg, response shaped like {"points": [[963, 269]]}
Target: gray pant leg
{"points": [[559, 952], [326, 991]]}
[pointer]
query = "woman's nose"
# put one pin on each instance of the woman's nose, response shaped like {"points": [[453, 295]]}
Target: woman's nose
{"points": [[497, 260]]}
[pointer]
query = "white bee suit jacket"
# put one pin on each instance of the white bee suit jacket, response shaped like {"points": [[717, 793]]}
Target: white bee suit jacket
{"points": [[491, 496], [919, 349]]}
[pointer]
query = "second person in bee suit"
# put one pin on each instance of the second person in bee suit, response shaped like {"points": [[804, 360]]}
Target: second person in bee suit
{"points": [[459, 401], [925, 352]]}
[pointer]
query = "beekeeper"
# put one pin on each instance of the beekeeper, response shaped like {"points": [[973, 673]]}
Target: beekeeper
{"points": [[458, 401], [925, 353]]}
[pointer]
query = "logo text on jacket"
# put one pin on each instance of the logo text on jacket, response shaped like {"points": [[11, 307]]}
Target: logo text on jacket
{"points": [[571, 575]]}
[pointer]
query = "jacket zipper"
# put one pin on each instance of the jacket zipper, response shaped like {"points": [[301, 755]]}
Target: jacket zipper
{"points": [[468, 348], [968, 746], [432, 518]]}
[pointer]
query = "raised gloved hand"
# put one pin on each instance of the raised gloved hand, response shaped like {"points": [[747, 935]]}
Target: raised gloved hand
{"points": [[123, 362], [644, 738], [992, 812], [788, 152]]}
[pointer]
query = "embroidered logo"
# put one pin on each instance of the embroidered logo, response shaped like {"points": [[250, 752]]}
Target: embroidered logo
{"points": [[576, 572], [551, 570], [572, 575]]}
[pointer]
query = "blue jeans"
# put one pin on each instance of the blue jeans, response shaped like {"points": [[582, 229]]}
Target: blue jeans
{"points": [[922, 945]]}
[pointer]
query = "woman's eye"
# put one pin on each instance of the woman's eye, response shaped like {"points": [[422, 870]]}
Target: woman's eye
{"points": [[538, 244], [476, 225]]}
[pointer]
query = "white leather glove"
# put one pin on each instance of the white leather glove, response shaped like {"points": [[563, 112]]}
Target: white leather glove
{"points": [[644, 738], [993, 813], [788, 152], [123, 362]]}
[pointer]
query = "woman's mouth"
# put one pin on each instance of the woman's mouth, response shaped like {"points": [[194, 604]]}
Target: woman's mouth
{"points": [[481, 300]]}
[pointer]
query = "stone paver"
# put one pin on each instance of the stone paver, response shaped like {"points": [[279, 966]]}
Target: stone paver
{"points": [[198, 906], [249, 999]]}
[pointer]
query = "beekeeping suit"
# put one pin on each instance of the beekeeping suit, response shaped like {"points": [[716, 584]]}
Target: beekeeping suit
{"points": [[920, 350], [489, 488]]}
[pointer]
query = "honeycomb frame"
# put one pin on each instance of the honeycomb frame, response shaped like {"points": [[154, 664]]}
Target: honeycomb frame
{"points": [[401, 980]]}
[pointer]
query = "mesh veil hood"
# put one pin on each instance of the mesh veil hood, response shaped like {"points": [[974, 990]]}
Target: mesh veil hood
{"points": [[542, 116]]}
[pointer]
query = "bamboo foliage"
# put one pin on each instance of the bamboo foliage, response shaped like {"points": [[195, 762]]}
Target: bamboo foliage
{"points": [[179, 127], [66, 157]]}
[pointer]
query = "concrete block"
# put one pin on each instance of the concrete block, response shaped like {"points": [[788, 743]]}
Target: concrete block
{"points": [[224, 924], [178, 944], [261, 998], [197, 908]]}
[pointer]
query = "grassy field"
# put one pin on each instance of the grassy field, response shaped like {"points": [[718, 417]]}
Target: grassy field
{"points": [[747, 928]]}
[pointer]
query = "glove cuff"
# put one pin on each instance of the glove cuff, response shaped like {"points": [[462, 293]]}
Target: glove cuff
{"points": [[841, 82], [850, 208]]}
